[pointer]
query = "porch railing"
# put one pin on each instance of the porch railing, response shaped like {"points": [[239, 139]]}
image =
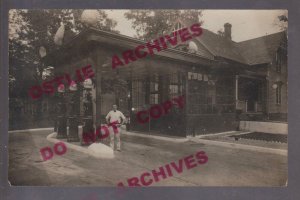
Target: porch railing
{"points": [[244, 106]]}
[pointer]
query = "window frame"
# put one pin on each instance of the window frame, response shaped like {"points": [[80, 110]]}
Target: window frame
{"points": [[278, 60], [278, 94]]}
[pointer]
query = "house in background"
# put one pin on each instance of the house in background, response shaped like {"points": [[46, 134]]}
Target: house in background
{"points": [[222, 81], [263, 57], [269, 55]]}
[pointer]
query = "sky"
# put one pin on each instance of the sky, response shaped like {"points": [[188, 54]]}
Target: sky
{"points": [[246, 24]]}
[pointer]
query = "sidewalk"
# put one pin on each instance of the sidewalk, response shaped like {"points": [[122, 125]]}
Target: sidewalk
{"points": [[239, 137], [223, 139], [156, 136]]}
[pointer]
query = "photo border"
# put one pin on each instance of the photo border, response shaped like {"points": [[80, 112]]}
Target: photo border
{"points": [[8, 192]]}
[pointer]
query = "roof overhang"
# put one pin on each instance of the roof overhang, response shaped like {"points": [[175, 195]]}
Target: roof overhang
{"points": [[113, 40]]}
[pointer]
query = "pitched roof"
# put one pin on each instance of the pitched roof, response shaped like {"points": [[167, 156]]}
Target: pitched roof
{"points": [[221, 46], [261, 50], [255, 51]]}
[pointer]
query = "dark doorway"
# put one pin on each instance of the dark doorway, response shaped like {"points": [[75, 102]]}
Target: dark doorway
{"points": [[250, 91]]}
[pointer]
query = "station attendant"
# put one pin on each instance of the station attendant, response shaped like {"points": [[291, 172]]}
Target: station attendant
{"points": [[115, 119]]}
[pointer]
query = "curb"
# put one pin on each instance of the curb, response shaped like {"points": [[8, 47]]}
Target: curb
{"points": [[223, 133], [31, 130], [51, 138], [241, 146], [164, 138], [177, 140]]}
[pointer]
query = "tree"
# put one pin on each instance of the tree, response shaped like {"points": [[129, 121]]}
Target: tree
{"points": [[31, 29], [151, 23], [282, 20], [28, 31], [220, 32]]}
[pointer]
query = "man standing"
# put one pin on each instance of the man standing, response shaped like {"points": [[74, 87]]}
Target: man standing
{"points": [[115, 119]]}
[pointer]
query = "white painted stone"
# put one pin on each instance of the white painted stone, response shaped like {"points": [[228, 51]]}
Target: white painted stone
{"points": [[100, 150]]}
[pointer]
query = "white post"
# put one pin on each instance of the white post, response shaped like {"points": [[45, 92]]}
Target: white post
{"points": [[236, 90]]}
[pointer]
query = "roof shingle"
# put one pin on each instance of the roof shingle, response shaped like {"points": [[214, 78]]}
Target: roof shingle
{"points": [[261, 50], [221, 46], [255, 51]]}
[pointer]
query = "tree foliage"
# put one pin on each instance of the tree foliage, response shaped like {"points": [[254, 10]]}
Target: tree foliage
{"points": [[282, 20], [31, 29], [220, 32], [151, 23]]}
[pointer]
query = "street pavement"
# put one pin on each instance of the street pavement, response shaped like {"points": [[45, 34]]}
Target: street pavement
{"points": [[225, 167]]}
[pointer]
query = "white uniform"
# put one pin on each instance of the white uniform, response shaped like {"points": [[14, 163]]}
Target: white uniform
{"points": [[115, 117]]}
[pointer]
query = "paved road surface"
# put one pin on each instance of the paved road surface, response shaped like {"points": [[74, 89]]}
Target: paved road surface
{"points": [[226, 166]]}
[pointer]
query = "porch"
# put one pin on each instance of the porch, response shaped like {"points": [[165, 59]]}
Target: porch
{"points": [[214, 102], [250, 94]]}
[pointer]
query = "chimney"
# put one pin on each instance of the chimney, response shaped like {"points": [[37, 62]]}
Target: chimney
{"points": [[227, 31]]}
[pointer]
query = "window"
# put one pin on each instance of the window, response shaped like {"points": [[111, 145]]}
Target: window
{"points": [[175, 85], [173, 89], [154, 97], [201, 96], [225, 96], [278, 60], [138, 94], [278, 94]]}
